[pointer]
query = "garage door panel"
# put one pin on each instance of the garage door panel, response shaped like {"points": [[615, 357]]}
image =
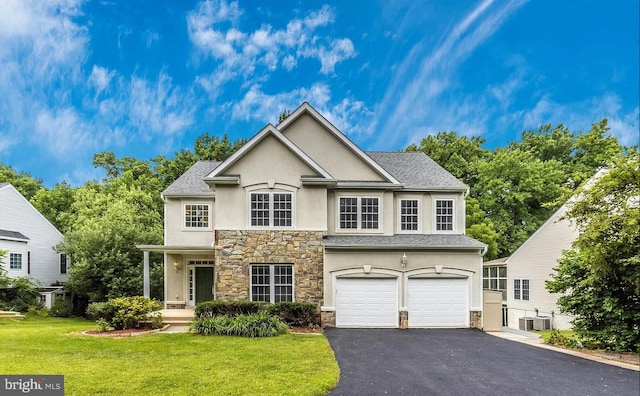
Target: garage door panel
{"points": [[366, 302], [438, 302]]}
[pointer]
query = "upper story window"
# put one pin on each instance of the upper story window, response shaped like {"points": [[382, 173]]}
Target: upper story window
{"points": [[196, 215], [495, 278], [444, 214], [409, 217], [359, 213], [271, 209], [64, 263], [521, 289], [15, 261]]}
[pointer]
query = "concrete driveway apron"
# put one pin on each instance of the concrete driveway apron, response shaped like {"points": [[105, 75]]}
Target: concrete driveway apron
{"points": [[465, 362]]}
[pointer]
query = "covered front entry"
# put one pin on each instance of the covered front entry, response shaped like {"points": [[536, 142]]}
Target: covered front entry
{"points": [[199, 281], [366, 302], [438, 302]]}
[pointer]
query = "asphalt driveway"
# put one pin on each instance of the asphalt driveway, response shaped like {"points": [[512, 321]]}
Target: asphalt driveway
{"points": [[465, 362]]}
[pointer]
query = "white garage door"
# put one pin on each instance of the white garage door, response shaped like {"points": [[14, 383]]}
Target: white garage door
{"points": [[438, 302], [366, 302]]}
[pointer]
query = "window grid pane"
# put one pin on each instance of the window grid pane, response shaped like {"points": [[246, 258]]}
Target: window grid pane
{"points": [[409, 215], [525, 289], [349, 213], [260, 281], [516, 289], [369, 213], [282, 210], [15, 261], [196, 216], [444, 215], [260, 210], [63, 263], [283, 283]]}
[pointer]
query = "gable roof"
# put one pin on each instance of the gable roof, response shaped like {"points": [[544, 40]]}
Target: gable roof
{"points": [[12, 235], [268, 130], [416, 170], [10, 187], [191, 182], [306, 108], [4, 184]]}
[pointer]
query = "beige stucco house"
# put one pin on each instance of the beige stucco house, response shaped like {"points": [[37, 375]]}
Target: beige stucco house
{"points": [[300, 213]]}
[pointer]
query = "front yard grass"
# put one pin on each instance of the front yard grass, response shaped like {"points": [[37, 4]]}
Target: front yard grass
{"points": [[166, 364], [546, 334]]}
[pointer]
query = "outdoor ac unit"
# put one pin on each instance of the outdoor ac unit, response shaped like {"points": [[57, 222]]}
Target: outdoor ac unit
{"points": [[526, 323], [542, 323]]}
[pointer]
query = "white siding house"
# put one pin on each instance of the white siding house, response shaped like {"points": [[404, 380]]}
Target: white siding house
{"points": [[30, 240]]}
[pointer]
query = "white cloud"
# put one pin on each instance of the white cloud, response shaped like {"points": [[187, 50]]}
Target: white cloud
{"points": [[100, 78], [63, 131], [215, 30]]}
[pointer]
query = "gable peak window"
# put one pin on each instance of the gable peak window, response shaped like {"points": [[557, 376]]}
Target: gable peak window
{"points": [[196, 215], [444, 214], [359, 213], [271, 209]]}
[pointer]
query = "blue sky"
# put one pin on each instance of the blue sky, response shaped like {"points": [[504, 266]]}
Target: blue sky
{"points": [[145, 78]]}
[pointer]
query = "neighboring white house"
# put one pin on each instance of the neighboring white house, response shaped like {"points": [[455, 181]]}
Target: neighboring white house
{"points": [[30, 240], [300, 213]]}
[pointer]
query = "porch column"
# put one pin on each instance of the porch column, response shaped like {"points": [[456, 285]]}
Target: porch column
{"points": [[146, 288]]}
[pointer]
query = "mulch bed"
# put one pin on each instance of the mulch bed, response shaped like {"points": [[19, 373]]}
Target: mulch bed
{"points": [[124, 333], [306, 330]]}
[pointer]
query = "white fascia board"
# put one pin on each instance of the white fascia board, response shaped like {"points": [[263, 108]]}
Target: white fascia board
{"points": [[306, 107], [189, 195], [266, 131], [14, 239]]}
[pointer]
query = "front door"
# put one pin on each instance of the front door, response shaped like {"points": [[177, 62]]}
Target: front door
{"points": [[204, 284]]}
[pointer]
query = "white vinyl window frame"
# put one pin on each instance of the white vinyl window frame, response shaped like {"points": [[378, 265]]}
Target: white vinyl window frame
{"points": [[362, 204], [270, 281], [402, 215], [194, 223], [439, 225], [15, 261], [521, 289], [494, 277], [190, 277], [271, 216]]}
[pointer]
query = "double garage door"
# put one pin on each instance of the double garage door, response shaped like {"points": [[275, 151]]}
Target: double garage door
{"points": [[431, 302]]}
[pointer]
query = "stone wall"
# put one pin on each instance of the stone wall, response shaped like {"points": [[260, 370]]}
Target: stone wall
{"points": [[476, 319], [236, 250]]}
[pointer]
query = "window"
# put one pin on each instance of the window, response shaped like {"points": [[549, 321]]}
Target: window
{"points": [[271, 209], [15, 261], [495, 278], [359, 213], [28, 262], [521, 289], [408, 215], [272, 282], [196, 216], [444, 215], [64, 259]]}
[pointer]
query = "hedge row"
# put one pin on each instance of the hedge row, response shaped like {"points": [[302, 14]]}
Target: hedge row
{"points": [[254, 325], [291, 313]]}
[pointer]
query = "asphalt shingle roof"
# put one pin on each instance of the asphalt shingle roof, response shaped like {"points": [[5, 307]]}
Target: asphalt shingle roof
{"points": [[416, 169], [191, 181], [12, 234], [403, 240]]}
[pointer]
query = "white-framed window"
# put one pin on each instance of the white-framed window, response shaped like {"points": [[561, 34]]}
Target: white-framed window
{"points": [[521, 289], [495, 278], [271, 209], [359, 213], [409, 215], [444, 214], [15, 261], [271, 282], [64, 263], [197, 215]]}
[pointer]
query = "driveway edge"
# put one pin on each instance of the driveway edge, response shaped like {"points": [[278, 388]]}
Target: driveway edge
{"points": [[538, 342]]}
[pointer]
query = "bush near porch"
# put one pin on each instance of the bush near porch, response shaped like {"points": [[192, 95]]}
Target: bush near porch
{"points": [[167, 364]]}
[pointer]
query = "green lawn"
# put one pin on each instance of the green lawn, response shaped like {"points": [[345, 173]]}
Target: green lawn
{"points": [[166, 364], [546, 334]]}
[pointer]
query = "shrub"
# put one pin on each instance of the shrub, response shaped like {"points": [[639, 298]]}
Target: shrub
{"points": [[103, 325], [20, 294], [59, 309], [123, 312], [156, 320], [213, 308], [559, 339], [302, 314], [254, 325]]}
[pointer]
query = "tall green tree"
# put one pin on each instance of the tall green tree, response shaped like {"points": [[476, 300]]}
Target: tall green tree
{"points": [[55, 204], [480, 227], [600, 276], [208, 147], [26, 184]]}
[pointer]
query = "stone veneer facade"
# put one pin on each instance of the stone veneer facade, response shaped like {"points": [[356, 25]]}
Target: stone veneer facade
{"points": [[236, 250]]}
